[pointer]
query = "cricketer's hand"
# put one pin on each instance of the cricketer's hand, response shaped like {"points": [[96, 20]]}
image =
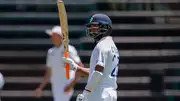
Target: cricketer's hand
{"points": [[72, 64]]}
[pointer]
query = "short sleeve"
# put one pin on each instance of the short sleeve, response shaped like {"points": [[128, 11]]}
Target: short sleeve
{"points": [[73, 54], [49, 59], [100, 57]]}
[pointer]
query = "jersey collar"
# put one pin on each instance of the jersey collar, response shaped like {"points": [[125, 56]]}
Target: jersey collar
{"points": [[60, 47]]}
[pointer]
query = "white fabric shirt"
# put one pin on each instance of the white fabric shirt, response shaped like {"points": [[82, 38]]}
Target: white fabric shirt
{"points": [[55, 62], [1, 81], [106, 54]]}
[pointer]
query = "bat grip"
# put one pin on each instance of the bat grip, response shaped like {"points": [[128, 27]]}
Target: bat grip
{"points": [[67, 66]]}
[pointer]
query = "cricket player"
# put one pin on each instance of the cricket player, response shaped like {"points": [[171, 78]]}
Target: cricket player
{"points": [[1, 81], [56, 68], [101, 85]]}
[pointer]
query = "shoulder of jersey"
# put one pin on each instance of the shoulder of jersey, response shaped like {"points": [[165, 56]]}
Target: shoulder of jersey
{"points": [[50, 51], [104, 46], [101, 45], [71, 48]]}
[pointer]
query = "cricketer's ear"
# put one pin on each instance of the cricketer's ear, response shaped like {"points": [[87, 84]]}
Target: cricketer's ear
{"points": [[99, 68]]}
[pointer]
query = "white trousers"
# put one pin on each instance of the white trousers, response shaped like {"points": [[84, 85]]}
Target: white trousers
{"points": [[103, 94], [59, 95]]}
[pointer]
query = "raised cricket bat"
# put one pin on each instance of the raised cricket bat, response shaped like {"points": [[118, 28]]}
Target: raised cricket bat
{"points": [[64, 26]]}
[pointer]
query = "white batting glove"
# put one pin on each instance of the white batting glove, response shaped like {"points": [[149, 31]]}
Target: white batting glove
{"points": [[81, 97], [72, 64]]}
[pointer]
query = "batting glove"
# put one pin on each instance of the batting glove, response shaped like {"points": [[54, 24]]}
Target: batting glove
{"points": [[72, 64], [81, 97]]}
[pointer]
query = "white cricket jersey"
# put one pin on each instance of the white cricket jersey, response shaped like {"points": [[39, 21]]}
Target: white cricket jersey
{"points": [[55, 62], [106, 54]]}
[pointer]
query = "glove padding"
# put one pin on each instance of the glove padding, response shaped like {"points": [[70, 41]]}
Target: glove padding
{"points": [[72, 64], [81, 97]]}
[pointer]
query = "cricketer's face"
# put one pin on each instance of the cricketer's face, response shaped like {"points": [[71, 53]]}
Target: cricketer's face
{"points": [[56, 39], [92, 30]]}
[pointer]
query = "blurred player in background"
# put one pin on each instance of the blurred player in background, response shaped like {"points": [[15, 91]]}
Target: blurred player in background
{"points": [[101, 85], [56, 67], [1, 82]]}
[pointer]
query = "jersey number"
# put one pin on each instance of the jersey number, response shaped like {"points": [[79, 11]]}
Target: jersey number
{"points": [[114, 72]]}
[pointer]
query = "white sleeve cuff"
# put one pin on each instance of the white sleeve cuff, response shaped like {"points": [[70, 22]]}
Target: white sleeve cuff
{"points": [[86, 93], [100, 63]]}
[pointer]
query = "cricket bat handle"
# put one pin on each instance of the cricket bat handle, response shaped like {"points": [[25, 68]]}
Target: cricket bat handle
{"points": [[67, 66]]}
